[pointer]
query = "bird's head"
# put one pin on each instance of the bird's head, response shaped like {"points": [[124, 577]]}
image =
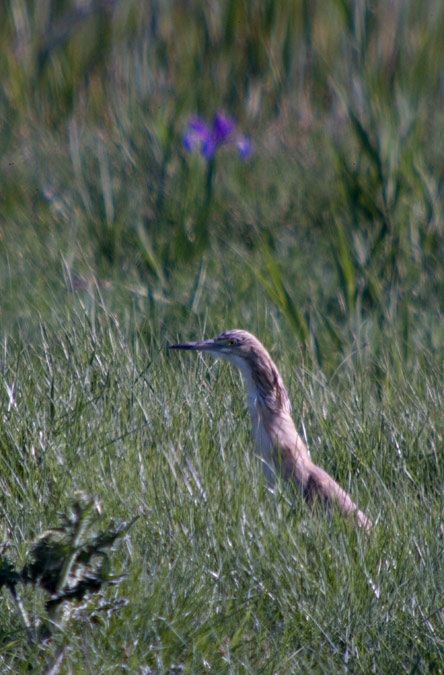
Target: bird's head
{"points": [[242, 349], [233, 345]]}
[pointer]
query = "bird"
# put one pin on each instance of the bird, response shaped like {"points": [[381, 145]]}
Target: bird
{"points": [[277, 442]]}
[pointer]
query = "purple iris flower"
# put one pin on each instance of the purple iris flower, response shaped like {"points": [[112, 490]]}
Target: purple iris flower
{"points": [[223, 132]]}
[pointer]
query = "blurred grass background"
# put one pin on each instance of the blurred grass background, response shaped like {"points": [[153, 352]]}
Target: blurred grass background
{"points": [[327, 243]]}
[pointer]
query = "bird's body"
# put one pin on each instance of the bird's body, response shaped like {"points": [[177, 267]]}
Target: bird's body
{"points": [[277, 443]]}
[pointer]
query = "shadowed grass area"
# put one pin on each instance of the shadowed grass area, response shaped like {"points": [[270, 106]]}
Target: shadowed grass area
{"points": [[327, 243]]}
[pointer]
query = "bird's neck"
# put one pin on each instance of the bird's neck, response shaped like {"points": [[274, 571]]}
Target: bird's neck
{"points": [[269, 408], [251, 388], [264, 388]]}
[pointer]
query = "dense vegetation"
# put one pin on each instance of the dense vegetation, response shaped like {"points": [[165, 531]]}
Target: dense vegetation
{"points": [[327, 243]]}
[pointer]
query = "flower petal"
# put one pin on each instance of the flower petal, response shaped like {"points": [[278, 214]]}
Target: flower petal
{"points": [[209, 148], [223, 126], [243, 144], [198, 133], [199, 126], [189, 141]]}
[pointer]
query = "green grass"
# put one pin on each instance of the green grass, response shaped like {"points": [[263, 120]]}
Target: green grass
{"points": [[327, 244]]}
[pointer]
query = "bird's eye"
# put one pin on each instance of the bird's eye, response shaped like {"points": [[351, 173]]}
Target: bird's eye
{"points": [[231, 341]]}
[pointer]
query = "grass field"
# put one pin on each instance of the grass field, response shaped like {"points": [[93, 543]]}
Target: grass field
{"points": [[327, 243]]}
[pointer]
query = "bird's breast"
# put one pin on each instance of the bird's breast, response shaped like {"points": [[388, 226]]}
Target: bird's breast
{"points": [[262, 441]]}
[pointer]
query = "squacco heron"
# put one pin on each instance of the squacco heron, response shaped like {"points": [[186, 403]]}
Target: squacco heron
{"points": [[277, 443]]}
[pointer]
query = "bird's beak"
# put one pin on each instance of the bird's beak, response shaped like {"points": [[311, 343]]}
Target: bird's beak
{"points": [[202, 345]]}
